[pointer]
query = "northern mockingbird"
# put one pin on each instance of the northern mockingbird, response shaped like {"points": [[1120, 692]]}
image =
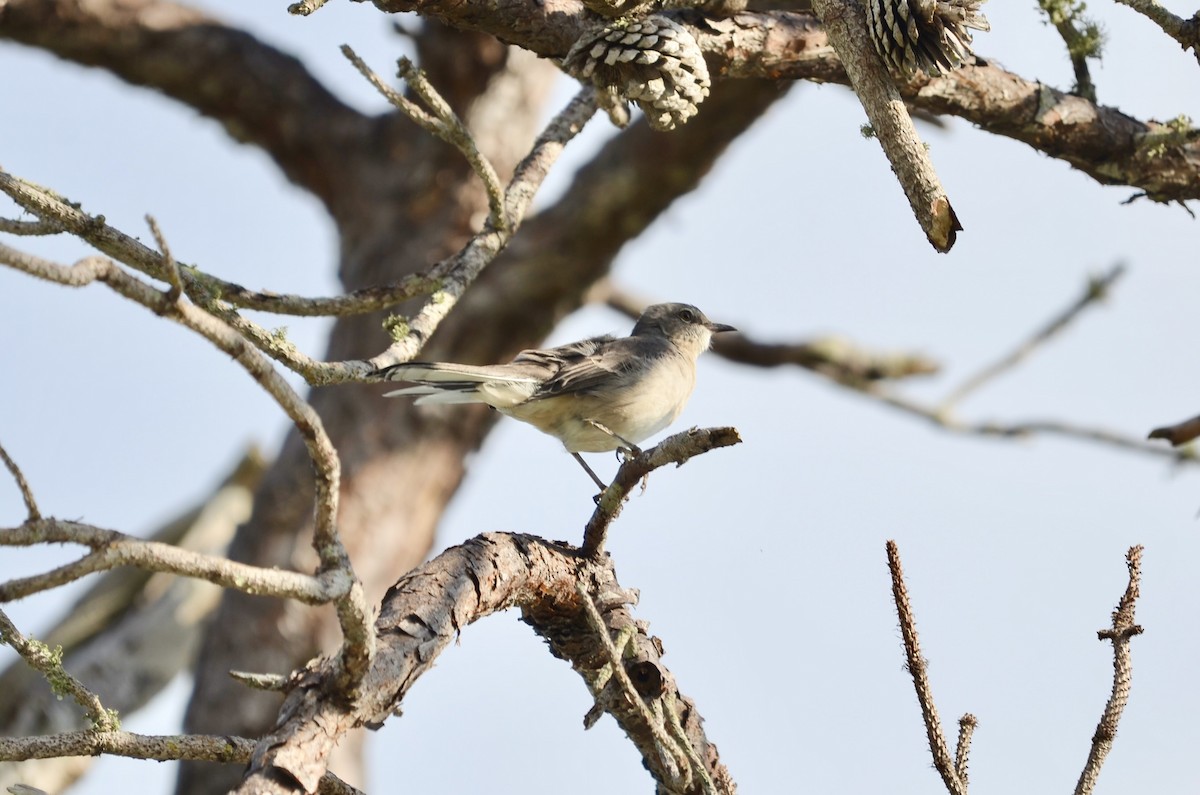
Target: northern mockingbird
{"points": [[598, 394]]}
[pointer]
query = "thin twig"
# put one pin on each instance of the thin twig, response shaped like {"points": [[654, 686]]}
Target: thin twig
{"points": [[460, 271], [1184, 31], [1121, 633], [677, 449], [111, 549], [916, 668], [1021, 429], [170, 266], [306, 7], [1096, 291], [1065, 15], [272, 683], [225, 748], [48, 662], [861, 370], [656, 726], [443, 124], [349, 599], [846, 24], [451, 276], [833, 357], [30, 228], [31, 508], [59, 215], [962, 749]]}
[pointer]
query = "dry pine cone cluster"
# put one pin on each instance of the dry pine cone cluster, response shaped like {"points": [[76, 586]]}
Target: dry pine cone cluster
{"points": [[932, 36], [653, 61]]}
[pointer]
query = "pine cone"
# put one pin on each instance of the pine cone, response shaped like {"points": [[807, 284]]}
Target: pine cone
{"points": [[931, 36], [653, 61]]}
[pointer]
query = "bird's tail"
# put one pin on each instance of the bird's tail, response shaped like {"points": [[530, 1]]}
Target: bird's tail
{"points": [[445, 383]]}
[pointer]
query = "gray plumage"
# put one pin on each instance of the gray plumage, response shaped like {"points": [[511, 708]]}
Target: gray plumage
{"points": [[595, 395]]}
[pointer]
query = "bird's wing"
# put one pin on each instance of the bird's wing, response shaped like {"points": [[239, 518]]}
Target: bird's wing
{"points": [[592, 363]]}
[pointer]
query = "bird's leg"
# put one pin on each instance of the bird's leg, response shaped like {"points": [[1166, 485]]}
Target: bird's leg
{"points": [[630, 447], [588, 469]]}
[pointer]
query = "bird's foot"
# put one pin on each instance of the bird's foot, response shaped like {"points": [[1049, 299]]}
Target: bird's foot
{"points": [[628, 453]]}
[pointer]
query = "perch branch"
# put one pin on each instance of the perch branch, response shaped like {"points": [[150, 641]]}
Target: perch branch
{"points": [[945, 764], [677, 449], [48, 662], [1121, 633]]}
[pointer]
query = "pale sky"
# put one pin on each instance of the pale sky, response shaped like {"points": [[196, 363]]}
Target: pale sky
{"points": [[761, 567]]}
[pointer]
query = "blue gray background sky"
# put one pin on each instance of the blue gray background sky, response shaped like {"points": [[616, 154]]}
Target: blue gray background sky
{"points": [[762, 567]]}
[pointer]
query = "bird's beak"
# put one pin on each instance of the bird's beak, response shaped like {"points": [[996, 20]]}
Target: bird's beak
{"points": [[717, 328]]}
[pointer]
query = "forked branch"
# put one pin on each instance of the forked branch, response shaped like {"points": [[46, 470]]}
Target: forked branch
{"points": [[948, 767], [423, 613], [1124, 628]]}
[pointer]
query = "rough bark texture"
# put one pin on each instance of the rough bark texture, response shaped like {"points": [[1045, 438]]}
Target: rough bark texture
{"points": [[423, 613]]}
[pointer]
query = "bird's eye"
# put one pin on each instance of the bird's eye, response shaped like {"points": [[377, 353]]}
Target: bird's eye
{"points": [[687, 316]]}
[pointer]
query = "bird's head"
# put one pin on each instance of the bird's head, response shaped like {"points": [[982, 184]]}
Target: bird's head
{"points": [[682, 324]]}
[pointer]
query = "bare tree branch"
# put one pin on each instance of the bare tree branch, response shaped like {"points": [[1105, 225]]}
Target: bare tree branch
{"points": [[1081, 36], [955, 783], [334, 562], [862, 371], [258, 93], [443, 124], [31, 508], [111, 549], [1184, 31], [424, 612], [1102, 142], [1020, 429], [128, 635], [1121, 633], [668, 746], [452, 276], [169, 748], [846, 25], [962, 748], [49, 662], [461, 270], [1096, 291], [676, 449], [835, 358]]}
